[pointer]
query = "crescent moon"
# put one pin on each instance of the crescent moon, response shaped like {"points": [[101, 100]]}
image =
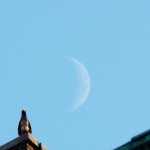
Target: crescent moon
{"points": [[84, 84]]}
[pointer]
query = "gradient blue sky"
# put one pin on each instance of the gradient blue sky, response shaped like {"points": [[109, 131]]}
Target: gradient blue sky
{"points": [[110, 37]]}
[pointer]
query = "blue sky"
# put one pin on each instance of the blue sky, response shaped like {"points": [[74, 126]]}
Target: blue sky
{"points": [[112, 40]]}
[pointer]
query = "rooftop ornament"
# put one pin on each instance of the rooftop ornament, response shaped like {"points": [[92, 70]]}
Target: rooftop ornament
{"points": [[24, 124]]}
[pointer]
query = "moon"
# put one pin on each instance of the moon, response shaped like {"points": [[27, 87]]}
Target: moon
{"points": [[83, 89]]}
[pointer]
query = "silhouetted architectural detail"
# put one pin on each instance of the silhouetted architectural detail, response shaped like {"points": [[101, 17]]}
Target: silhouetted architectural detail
{"points": [[139, 142], [24, 125], [24, 142]]}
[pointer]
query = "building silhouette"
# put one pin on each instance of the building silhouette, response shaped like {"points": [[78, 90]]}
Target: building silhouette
{"points": [[139, 142], [28, 142], [24, 142]]}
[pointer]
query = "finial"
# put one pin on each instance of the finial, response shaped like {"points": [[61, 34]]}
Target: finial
{"points": [[24, 124]]}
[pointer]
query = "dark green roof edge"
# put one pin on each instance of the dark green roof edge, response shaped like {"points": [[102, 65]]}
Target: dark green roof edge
{"points": [[136, 141]]}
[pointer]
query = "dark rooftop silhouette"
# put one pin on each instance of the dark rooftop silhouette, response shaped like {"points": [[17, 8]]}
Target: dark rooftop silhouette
{"points": [[25, 141], [139, 142]]}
